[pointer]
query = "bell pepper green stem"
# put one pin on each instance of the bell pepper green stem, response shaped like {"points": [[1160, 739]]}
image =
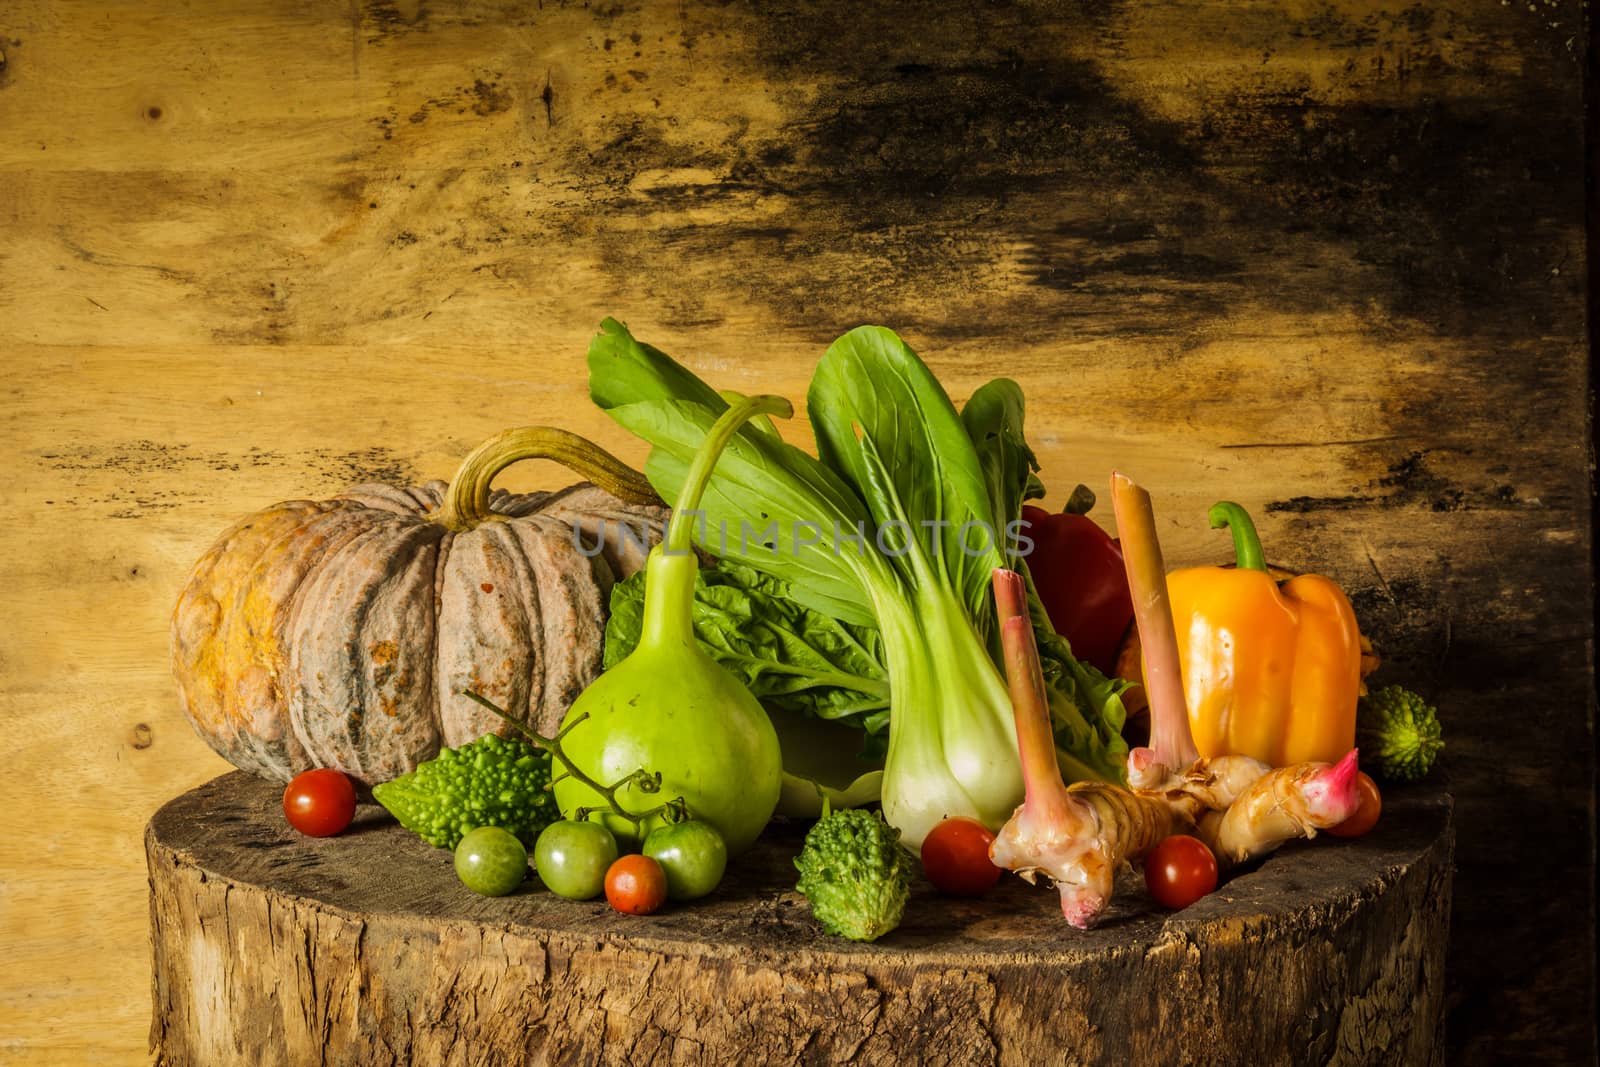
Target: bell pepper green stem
{"points": [[1246, 542], [680, 530]]}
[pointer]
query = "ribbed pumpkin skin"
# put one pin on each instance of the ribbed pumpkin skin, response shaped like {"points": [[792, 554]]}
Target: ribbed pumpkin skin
{"points": [[341, 633]]}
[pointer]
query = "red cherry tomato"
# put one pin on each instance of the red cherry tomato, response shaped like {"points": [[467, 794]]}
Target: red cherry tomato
{"points": [[636, 885], [955, 857], [319, 803], [1366, 815], [1180, 871]]}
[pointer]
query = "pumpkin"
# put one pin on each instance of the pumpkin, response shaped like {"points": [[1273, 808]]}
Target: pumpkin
{"points": [[341, 633]]}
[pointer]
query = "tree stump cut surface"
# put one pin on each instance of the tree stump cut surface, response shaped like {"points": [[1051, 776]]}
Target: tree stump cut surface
{"points": [[273, 948]]}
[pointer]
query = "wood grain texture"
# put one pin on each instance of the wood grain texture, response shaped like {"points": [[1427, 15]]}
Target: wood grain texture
{"points": [[273, 948], [1324, 259]]}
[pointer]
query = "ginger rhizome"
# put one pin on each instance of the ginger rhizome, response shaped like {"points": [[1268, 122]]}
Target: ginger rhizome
{"points": [[1079, 836], [1076, 837]]}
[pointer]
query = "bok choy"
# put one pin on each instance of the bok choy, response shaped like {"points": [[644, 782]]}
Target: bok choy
{"points": [[895, 527]]}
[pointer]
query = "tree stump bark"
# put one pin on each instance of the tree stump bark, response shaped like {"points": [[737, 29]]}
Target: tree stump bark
{"points": [[272, 948]]}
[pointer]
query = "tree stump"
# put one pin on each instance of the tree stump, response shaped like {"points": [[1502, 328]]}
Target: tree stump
{"points": [[273, 948]]}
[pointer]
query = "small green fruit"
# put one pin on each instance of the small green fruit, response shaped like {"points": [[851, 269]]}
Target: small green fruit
{"points": [[491, 861]]}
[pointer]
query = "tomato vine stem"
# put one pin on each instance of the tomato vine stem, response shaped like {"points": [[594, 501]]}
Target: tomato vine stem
{"points": [[646, 781]]}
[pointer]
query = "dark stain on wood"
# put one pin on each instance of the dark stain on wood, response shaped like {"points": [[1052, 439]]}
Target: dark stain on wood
{"points": [[1434, 205], [147, 471], [379, 465], [489, 98], [1450, 199], [1413, 482], [392, 18], [98, 259]]}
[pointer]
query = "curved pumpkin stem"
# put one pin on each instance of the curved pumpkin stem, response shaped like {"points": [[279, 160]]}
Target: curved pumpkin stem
{"points": [[466, 501]]}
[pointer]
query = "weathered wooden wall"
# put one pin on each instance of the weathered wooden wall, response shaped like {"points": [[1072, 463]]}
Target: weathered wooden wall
{"points": [[1323, 258]]}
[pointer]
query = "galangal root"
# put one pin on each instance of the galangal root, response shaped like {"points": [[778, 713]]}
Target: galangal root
{"points": [[1290, 802], [1080, 837]]}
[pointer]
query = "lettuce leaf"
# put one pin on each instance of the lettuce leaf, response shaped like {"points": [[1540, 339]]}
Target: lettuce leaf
{"points": [[788, 655]]}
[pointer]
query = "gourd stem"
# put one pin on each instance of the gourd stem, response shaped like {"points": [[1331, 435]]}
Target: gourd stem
{"points": [[466, 501], [669, 574], [679, 532]]}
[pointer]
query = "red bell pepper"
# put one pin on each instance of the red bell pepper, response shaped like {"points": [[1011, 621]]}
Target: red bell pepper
{"points": [[1077, 569]]}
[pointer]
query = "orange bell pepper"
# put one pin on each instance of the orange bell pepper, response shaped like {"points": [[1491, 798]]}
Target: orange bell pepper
{"points": [[1269, 670]]}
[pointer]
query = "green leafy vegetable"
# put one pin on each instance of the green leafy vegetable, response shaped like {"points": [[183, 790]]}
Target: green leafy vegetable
{"points": [[855, 874], [1085, 706], [788, 655], [493, 781], [1398, 734], [895, 526], [993, 419], [951, 748], [884, 421], [768, 503]]}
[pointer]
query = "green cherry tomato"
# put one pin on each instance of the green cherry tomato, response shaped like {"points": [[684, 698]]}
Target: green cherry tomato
{"points": [[491, 861], [572, 858], [692, 854]]}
